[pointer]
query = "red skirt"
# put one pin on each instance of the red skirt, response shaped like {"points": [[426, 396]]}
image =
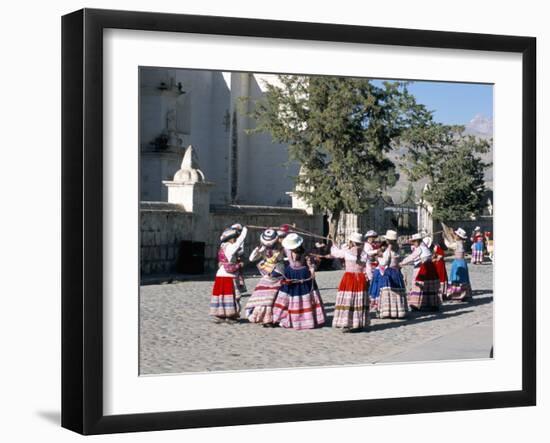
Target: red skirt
{"points": [[351, 309], [223, 302], [426, 272], [441, 270]]}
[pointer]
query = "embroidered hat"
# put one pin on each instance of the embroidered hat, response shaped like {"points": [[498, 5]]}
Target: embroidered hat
{"points": [[416, 237], [390, 235], [228, 234], [428, 241], [355, 237], [237, 227], [461, 233], [292, 241], [268, 237], [371, 233]]}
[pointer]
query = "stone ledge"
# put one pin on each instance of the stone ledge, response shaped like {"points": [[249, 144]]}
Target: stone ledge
{"points": [[255, 210], [161, 206]]}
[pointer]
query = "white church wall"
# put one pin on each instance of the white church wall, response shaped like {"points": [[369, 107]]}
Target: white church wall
{"points": [[205, 116], [199, 119], [267, 176]]}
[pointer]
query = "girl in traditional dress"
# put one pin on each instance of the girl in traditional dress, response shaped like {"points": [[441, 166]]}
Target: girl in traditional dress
{"points": [[371, 252], [388, 282], [459, 281], [424, 294], [439, 263], [259, 308], [224, 305], [374, 283], [477, 246], [298, 303], [351, 310]]}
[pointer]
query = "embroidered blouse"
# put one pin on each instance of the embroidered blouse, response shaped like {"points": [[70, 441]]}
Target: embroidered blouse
{"points": [[350, 258]]}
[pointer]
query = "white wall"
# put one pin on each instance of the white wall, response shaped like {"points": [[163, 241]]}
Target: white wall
{"points": [[263, 176], [201, 111], [30, 222]]}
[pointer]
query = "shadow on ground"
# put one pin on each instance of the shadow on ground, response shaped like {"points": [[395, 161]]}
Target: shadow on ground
{"points": [[54, 417]]}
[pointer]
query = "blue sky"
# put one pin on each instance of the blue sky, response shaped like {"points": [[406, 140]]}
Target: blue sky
{"points": [[454, 103]]}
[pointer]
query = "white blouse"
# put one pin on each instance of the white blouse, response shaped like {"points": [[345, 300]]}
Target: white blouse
{"points": [[230, 250]]}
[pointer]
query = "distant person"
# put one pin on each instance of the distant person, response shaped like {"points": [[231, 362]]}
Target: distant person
{"points": [[477, 246], [459, 288]]}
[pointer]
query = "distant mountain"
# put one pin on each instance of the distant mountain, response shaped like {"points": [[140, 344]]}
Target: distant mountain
{"points": [[480, 126]]}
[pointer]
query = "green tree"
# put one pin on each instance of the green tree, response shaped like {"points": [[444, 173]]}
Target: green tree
{"points": [[339, 130], [453, 164]]}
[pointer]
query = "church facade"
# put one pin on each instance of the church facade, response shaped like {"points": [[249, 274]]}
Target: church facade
{"points": [[207, 109]]}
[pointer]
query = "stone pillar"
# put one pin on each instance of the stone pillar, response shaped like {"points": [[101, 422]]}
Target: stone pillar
{"points": [[190, 190], [299, 203], [424, 217]]}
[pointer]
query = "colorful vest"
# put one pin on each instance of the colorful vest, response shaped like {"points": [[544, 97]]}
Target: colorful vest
{"points": [[229, 267]]}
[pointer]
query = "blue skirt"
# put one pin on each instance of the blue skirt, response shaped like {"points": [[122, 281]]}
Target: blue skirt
{"points": [[392, 278], [459, 272], [298, 304]]}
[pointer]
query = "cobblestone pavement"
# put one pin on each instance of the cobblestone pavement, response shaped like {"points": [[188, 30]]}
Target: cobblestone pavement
{"points": [[176, 334]]}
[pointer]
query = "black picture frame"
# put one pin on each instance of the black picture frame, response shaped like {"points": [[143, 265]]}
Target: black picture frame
{"points": [[82, 215]]}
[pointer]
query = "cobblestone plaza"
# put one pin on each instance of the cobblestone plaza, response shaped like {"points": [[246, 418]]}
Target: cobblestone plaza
{"points": [[176, 334]]}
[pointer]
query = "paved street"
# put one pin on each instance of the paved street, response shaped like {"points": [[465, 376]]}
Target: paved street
{"points": [[176, 334]]}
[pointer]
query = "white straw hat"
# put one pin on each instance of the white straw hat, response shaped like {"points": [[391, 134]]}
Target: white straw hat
{"points": [[390, 235], [461, 233], [371, 233], [416, 237], [292, 241], [355, 237]]}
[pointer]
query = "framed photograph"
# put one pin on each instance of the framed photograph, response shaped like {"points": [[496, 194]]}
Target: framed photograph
{"points": [[269, 221]]}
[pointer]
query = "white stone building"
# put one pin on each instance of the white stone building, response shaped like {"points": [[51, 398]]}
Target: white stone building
{"points": [[180, 107]]}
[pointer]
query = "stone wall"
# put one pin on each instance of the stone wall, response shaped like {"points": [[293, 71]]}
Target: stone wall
{"points": [[162, 228]]}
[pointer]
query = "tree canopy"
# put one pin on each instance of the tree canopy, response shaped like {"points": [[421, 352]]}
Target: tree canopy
{"points": [[340, 131], [452, 163]]}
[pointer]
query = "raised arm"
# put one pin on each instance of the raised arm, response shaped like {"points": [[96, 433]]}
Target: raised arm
{"points": [[231, 248], [256, 253], [411, 257]]}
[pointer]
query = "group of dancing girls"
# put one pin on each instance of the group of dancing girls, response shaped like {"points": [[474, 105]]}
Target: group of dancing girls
{"points": [[287, 294]]}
